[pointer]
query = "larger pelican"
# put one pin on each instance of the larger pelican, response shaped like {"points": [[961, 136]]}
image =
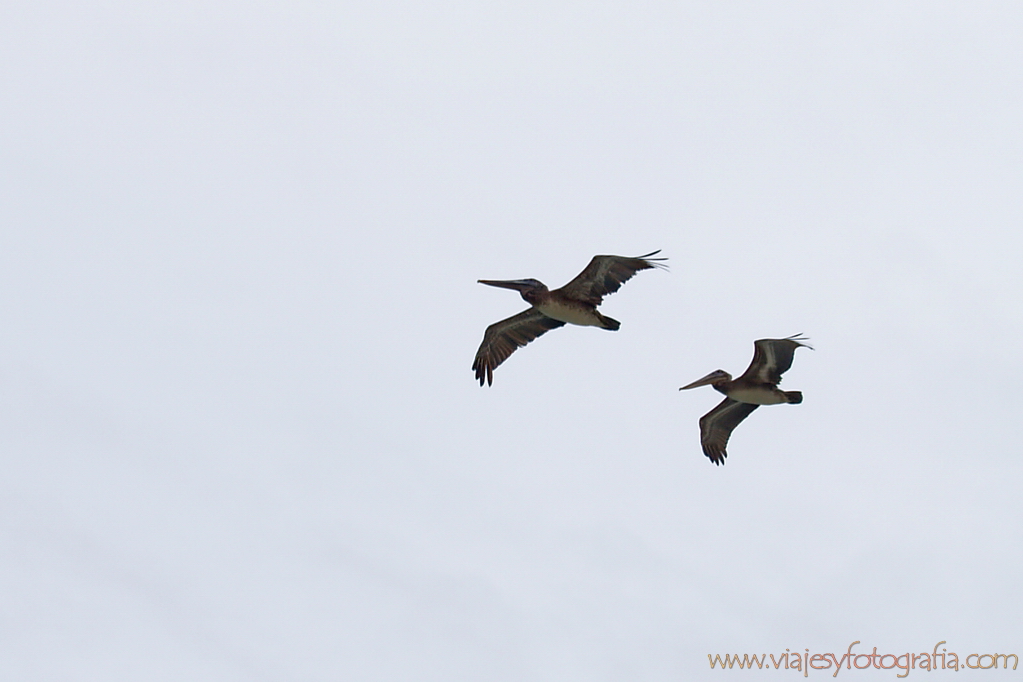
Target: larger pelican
{"points": [[757, 386], [574, 303]]}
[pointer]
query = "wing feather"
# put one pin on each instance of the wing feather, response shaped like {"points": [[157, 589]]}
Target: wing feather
{"points": [[505, 337], [772, 358], [717, 425], [606, 274]]}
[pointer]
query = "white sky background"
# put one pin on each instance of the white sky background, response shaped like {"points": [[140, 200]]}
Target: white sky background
{"points": [[240, 435]]}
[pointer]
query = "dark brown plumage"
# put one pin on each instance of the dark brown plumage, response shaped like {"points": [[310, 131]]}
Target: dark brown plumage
{"points": [[757, 386], [574, 303]]}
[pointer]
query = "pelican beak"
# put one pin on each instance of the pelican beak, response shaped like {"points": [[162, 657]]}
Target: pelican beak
{"points": [[516, 284], [711, 378]]}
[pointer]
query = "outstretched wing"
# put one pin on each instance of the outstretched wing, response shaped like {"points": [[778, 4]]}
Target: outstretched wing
{"points": [[717, 425], [505, 337], [606, 274], [772, 358]]}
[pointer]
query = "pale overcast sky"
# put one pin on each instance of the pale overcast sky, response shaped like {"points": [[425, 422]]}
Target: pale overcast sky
{"points": [[240, 241]]}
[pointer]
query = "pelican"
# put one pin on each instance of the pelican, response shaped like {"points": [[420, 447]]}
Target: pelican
{"points": [[757, 386], [574, 303]]}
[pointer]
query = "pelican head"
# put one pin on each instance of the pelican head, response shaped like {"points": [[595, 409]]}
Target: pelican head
{"points": [[718, 376], [527, 288]]}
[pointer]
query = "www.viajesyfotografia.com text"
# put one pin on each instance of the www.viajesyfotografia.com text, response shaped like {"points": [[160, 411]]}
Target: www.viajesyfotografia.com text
{"points": [[927, 661]]}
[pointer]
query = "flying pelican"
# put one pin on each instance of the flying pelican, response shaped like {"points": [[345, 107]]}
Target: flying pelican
{"points": [[757, 386], [574, 303]]}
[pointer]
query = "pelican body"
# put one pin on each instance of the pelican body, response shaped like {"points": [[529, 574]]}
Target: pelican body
{"points": [[757, 386], [575, 303], [555, 304]]}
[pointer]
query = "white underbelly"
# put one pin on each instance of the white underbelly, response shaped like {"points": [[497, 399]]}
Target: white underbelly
{"points": [[755, 396], [570, 314]]}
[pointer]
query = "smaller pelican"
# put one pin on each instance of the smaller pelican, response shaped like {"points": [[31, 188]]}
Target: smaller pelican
{"points": [[574, 303], [757, 386]]}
